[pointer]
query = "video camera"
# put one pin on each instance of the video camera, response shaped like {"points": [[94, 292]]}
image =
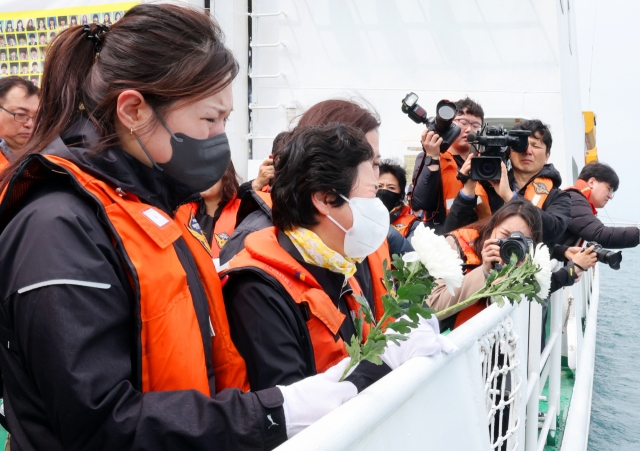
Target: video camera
{"points": [[611, 258], [496, 142], [442, 123], [517, 244]]}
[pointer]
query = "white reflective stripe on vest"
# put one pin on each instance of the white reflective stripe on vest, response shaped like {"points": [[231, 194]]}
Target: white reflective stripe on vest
{"points": [[82, 283]]}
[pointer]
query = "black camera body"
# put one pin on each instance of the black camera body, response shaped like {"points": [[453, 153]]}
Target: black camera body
{"points": [[611, 258], [517, 244], [442, 123], [496, 142]]}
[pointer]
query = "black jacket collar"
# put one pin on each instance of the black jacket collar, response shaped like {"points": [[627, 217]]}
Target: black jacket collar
{"points": [[547, 171], [118, 168]]}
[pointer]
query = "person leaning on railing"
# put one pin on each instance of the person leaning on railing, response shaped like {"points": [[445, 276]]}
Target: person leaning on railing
{"points": [[594, 188], [478, 251], [114, 332]]}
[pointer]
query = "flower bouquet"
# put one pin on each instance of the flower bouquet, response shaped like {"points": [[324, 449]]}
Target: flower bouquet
{"points": [[412, 279]]}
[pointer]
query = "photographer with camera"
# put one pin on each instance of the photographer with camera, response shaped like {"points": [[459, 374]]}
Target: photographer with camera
{"points": [[530, 177], [595, 186], [486, 243], [435, 183], [392, 184]]}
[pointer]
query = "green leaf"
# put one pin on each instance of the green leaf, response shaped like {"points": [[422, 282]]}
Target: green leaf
{"points": [[414, 293]]}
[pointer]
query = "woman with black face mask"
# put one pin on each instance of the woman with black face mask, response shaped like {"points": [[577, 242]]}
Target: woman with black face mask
{"points": [[391, 191], [114, 331]]}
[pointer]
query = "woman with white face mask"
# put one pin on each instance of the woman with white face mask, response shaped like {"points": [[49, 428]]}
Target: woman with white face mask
{"points": [[290, 293]]}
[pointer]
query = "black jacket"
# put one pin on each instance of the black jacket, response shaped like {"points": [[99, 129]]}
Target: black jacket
{"points": [[555, 212], [70, 370], [255, 215], [269, 329], [584, 225]]}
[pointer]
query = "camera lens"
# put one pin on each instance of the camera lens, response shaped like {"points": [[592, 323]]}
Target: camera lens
{"points": [[447, 111], [488, 169], [612, 259], [511, 247]]}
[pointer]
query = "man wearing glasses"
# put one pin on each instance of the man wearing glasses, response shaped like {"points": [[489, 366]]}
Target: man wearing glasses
{"points": [[435, 183], [596, 185], [530, 177], [18, 107]]}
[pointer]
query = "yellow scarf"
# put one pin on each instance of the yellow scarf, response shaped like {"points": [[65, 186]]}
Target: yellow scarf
{"points": [[315, 252]]}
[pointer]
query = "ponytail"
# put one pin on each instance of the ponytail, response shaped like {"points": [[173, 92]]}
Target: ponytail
{"points": [[88, 67]]}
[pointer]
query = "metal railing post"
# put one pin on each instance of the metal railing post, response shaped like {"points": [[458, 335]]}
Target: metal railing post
{"points": [[553, 399], [533, 371]]}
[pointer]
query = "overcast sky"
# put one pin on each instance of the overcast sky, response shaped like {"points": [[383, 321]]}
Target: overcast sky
{"points": [[609, 53]]}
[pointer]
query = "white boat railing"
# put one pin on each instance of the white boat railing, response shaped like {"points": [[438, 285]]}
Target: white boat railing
{"points": [[483, 397]]}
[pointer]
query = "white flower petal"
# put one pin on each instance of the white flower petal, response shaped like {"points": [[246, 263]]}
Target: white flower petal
{"points": [[542, 260], [437, 256], [411, 257]]}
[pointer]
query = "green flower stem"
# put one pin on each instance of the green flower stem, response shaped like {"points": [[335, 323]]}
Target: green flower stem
{"points": [[353, 362], [474, 298]]}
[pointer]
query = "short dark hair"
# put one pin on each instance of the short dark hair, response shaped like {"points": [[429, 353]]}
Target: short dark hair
{"points": [[230, 184], [538, 130], [278, 143], [601, 172], [8, 83], [315, 159], [394, 168], [468, 106]]}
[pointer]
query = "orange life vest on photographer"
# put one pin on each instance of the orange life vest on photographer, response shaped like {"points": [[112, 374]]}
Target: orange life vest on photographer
{"points": [[172, 353], [3, 162], [404, 221], [451, 186], [583, 188], [224, 226], [467, 241], [262, 251], [538, 190]]}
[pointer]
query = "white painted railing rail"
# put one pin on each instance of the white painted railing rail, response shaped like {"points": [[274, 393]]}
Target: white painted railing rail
{"points": [[483, 397], [576, 433]]}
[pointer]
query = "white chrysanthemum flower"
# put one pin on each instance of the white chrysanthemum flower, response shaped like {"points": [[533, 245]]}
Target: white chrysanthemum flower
{"points": [[542, 260], [437, 256]]}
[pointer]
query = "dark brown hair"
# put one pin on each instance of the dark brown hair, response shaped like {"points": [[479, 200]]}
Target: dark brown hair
{"points": [[341, 111], [230, 184], [518, 207], [8, 83], [166, 52], [468, 106], [323, 159]]}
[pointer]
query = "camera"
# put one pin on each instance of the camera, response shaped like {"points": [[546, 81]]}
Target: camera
{"points": [[517, 244], [496, 142], [442, 123], [611, 258]]}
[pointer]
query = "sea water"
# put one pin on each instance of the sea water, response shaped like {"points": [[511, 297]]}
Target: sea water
{"points": [[615, 414]]}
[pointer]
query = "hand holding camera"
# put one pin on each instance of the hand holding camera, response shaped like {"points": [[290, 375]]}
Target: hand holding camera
{"points": [[501, 186], [583, 259], [442, 123], [490, 254], [431, 143]]}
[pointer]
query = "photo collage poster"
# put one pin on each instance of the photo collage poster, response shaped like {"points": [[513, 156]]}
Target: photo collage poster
{"points": [[25, 35]]}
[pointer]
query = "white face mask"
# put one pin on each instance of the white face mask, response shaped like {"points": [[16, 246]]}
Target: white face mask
{"points": [[370, 226]]}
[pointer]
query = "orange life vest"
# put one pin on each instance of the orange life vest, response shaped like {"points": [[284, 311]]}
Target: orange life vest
{"points": [[451, 186], [262, 251], [467, 241], [583, 187], [224, 227], [538, 190], [404, 221], [172, 348], [3, 162], [266, 197]]}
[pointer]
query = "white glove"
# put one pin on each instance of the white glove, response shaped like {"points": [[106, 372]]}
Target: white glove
{"points": [[425, 340], [307, 401]]}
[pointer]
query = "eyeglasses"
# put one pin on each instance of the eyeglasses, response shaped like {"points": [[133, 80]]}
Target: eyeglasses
{"points": [[475, 126], [19, 117], [611, 191]]}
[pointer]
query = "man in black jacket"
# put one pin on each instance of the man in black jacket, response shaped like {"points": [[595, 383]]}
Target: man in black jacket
{"points": [[595, 186], [530, 177]]}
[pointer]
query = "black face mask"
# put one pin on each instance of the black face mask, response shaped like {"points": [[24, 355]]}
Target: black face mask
{"points": [[390, 199], [196, 163]]}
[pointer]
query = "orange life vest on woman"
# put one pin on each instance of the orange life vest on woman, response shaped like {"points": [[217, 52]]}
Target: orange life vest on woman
{"points": [[224, 227], [451, 186], [262, 251], [583, 187], [404, 221], [467, 242], [172, 348]]}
